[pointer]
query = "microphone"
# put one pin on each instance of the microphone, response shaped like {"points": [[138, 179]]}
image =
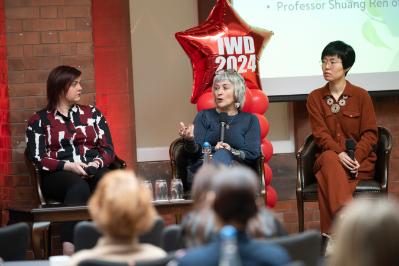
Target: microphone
{"points": [[222, 121], [350, 145]]}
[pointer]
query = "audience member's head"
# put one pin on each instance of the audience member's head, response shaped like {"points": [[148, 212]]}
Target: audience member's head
{"points": [[121, 206], [367, 234], [202, 184], [235, 191]]}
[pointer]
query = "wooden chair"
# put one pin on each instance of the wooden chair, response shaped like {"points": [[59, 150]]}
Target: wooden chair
{"points": [[306, 188], [180, 160], [34, 172]]}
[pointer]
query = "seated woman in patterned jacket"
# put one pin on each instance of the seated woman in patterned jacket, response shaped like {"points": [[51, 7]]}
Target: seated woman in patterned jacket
{"points": [[70, 144]]}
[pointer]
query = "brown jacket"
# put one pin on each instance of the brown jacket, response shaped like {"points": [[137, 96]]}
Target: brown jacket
{"points": [[356, 119]]}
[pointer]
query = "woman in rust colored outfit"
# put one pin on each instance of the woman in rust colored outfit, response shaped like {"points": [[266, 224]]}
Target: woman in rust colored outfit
{"points": [[340, 111]]}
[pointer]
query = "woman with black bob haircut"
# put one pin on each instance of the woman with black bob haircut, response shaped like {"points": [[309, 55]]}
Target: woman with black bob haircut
{"points": [[233, 200], [69, 143], [342, 51], [342, 118]]}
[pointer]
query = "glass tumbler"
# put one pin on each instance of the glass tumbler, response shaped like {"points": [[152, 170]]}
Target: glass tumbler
{"points": [[176, 189], [148, 185], [161, 190]]}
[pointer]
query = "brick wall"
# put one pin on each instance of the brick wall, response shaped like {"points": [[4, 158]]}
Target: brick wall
{"points": [[41, 34]]}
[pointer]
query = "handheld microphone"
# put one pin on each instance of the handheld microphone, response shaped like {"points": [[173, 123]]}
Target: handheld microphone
{"points": [[222, 121], [350, 145]]}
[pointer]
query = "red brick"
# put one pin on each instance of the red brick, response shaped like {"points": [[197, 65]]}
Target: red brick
{"points": [[17, 3], [28, 50], [84, 49], [22, 12], [44, 24], [49, 37], [18, 118], [75, 36], [290, 217], [23, 38], [75, 11], [16, 64], [52, 49], [41, 62], [35, 76], [32, 103], [19, 127], [14, 25], [78, 61], [48, 12], [32, 89], [83, 24], [16, 76], [15, 51], [71, 24], [48, 2], [78, 2]]}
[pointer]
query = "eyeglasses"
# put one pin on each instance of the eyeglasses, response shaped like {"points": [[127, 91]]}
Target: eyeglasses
{"points": [[331, 63]]}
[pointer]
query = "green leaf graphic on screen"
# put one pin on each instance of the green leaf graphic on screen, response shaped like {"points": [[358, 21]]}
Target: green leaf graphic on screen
{"points": [[371, 35], [372, 10]]}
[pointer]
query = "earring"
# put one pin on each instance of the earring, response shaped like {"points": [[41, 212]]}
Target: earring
{"points": [[237, 105]]}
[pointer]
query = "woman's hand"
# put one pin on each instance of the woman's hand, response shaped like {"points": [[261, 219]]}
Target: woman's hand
{"points": [[76, 167], [94, 164], [222, 145], [348, 163], [187, 132]]}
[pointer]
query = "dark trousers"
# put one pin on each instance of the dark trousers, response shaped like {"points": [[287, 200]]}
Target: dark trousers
{"points": [[72, 190]]}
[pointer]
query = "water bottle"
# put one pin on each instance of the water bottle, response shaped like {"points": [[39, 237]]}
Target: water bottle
{"points": [[207, 151], [229, 255]]}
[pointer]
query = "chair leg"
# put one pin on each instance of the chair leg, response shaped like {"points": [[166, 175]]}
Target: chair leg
{"points": [[39, 232], [301, 218]]}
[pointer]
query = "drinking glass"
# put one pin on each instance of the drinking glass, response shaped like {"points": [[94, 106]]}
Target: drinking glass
{"points": [[148, 185], [161, 190], [176, 189]]}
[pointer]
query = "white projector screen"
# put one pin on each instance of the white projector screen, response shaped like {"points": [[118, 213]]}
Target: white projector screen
{"points": [[290, 64]]}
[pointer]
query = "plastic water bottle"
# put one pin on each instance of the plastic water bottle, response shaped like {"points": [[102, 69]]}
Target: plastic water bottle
{"points": [[207, 151], [229, 255]]}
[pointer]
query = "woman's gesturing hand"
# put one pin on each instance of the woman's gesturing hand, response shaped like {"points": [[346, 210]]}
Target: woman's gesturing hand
{"points": [[76, 167], [348, 163], [187, 132]]}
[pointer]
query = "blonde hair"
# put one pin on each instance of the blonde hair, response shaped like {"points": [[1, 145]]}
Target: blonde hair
{"points": [[121, 206], [367, 234]]}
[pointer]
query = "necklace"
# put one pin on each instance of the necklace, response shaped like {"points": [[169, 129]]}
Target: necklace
{"points": [[230, 120], [336, 106]]}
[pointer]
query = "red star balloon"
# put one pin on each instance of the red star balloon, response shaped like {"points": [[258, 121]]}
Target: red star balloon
{"points": [[223, 41]]}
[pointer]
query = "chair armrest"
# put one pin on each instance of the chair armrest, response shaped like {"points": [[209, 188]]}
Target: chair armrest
{"points": [[306, 157], [118, 163], [384, 147]]}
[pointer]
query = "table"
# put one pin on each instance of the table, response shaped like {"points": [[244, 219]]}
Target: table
{"points": [[42, 217], [27, 263]]}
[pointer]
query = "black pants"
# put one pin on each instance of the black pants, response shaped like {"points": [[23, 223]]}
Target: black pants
{"points": [[72, 190]]}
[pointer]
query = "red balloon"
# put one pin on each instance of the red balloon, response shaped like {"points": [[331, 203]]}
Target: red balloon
{"points": [[271, 197], [267, 149], [248, 101], [268, 174], [223, 41], [264, 125], [260, 102], [206, 101]]}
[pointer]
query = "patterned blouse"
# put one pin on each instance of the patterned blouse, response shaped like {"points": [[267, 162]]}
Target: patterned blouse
{"points": [[83, 136]]}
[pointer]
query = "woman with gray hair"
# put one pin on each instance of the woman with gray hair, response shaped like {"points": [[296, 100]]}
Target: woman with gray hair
{"points": [[241, 142]]}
